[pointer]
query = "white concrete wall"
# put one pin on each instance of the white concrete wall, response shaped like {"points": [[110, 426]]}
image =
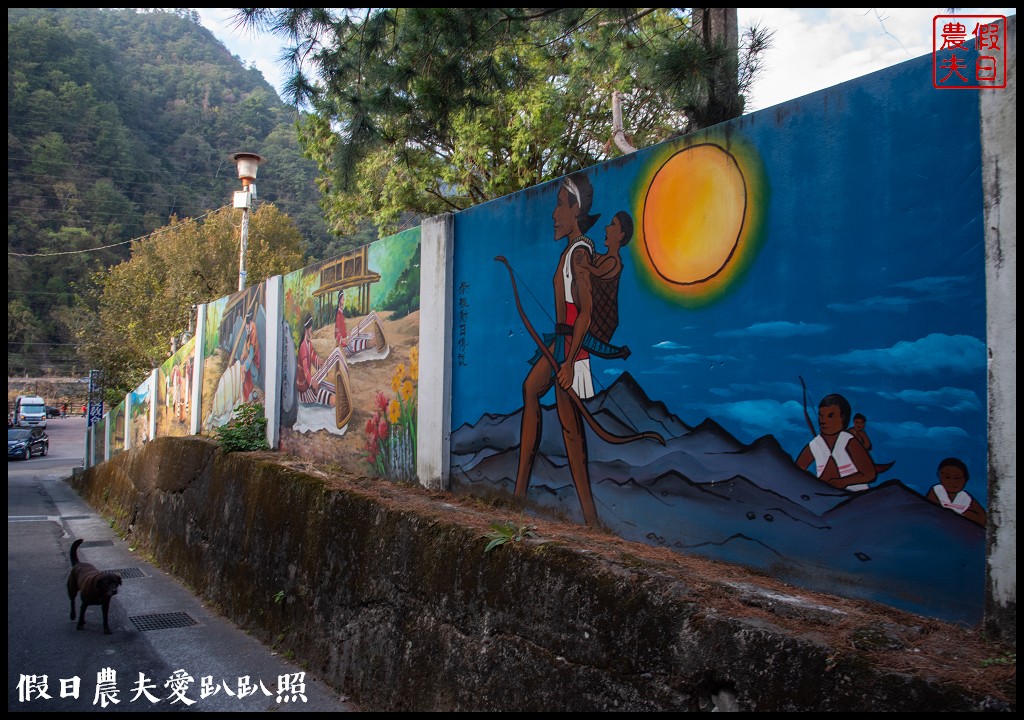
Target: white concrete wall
{"points": [[272, 360], [999, 179], [153, 395], [128, 421], [197, 370], [433, 433]]}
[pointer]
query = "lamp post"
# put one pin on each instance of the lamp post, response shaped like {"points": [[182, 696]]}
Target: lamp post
{"points": [[248, 164]]}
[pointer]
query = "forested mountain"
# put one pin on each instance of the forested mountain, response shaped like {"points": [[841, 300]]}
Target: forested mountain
{"points": [[117, 120]]}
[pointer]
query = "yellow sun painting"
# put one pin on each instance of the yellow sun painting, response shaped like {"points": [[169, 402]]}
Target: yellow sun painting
{"points": [[696, 223]]}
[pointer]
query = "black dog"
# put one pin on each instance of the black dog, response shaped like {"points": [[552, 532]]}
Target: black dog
{"points": [[96, 586]]}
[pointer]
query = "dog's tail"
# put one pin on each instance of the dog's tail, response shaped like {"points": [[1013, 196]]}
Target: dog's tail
{"points": [[74, 551]]}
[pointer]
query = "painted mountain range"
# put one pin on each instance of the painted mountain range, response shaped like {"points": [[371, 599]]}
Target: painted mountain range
{"points": [[706, 493]]}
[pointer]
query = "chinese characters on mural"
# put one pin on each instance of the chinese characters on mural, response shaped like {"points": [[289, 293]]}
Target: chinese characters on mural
{"points": [[463, 320]]}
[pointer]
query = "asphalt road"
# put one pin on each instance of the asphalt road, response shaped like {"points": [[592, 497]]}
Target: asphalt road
{"points": [[160, 631]]}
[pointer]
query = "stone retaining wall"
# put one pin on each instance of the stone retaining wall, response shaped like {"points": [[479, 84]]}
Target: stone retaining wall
{"points": [[395, 603]]}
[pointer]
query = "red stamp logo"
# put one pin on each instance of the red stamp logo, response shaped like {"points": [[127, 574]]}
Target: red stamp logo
{"points": [[968, 52]]}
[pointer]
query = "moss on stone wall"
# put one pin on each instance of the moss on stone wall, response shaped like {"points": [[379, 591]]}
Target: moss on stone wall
{"points": [[397, 605]]}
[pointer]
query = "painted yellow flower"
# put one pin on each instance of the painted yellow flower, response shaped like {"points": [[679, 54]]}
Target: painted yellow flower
{"points": [[394, 411], [407, 390], [396, 382], [414, 369], [414, 354]]}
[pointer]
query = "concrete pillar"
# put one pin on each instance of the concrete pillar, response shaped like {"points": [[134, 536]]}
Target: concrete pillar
{"points": [[433, 425], [90, 435], [272, 359], [153, 395], [196, 400], [128, 421], [999, 183]]}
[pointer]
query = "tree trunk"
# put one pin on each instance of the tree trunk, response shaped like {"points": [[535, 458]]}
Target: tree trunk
{"points": [[718, 29]]}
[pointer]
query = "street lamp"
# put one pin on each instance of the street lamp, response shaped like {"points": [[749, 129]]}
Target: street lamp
{"points": [[248, 164]]}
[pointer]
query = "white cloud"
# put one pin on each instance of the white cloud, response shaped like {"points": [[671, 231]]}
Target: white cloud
{"points": [[816, 48], [775, 329], [933, 353]]}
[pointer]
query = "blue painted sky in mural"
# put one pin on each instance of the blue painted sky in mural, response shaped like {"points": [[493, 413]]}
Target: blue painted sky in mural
{"points": [[874, 289]]}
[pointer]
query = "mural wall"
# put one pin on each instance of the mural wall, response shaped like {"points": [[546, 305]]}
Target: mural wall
{"points": [[99, 439], [234, 355], [348, 363], [140, 409], [350, 329], [763, 343], [116, 419], [174, 392]]}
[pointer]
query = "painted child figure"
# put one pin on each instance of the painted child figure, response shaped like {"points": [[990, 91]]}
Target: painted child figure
{"points": [[949, 493]]}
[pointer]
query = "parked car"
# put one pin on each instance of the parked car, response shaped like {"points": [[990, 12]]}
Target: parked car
{"points": [[52, 412], [26, 442]]}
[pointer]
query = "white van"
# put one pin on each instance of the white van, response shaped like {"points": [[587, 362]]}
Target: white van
{"points": [[30, 411]]}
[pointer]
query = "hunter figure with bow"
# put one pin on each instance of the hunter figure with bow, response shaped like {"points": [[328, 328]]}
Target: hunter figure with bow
{"points": [[563, 358]]}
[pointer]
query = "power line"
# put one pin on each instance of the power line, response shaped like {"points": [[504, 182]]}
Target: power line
{"points": [[105, 247]]}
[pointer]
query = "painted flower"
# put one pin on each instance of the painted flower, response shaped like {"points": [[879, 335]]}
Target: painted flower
{"points": [[382, 428], [394, 411], [382, 401], [407, 390]]}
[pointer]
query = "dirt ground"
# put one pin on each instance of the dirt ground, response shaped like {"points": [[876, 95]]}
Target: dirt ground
{"points": [[888, 638]]}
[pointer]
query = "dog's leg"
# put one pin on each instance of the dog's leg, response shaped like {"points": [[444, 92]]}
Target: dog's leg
{"points": [[106, 613], [72, 591], [81, 615]]}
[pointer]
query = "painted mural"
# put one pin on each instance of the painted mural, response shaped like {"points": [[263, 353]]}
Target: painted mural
{"points": [[99, 439], [349, 361], [763, 343], [116, 419], [174, 392], [233, 355], [141, 407]]}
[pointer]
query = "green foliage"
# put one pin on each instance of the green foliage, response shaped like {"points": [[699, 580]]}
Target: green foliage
{"points": [[279, 596], [119, 119], [404, 297], [1007, 658], [508, 531], [143, 302], [390, 447], [431, 110], [248, 431]]}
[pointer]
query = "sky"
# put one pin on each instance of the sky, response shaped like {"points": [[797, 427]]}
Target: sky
{"points": [[813, 48]]}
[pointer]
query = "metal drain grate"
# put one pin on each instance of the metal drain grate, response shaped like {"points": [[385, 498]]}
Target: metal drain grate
{"points": [[162, 621], [76, 517], [27, 518], [128, 573], [97, 543]]}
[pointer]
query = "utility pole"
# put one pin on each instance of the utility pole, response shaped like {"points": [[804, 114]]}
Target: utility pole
{"points": [[248, 164]]}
